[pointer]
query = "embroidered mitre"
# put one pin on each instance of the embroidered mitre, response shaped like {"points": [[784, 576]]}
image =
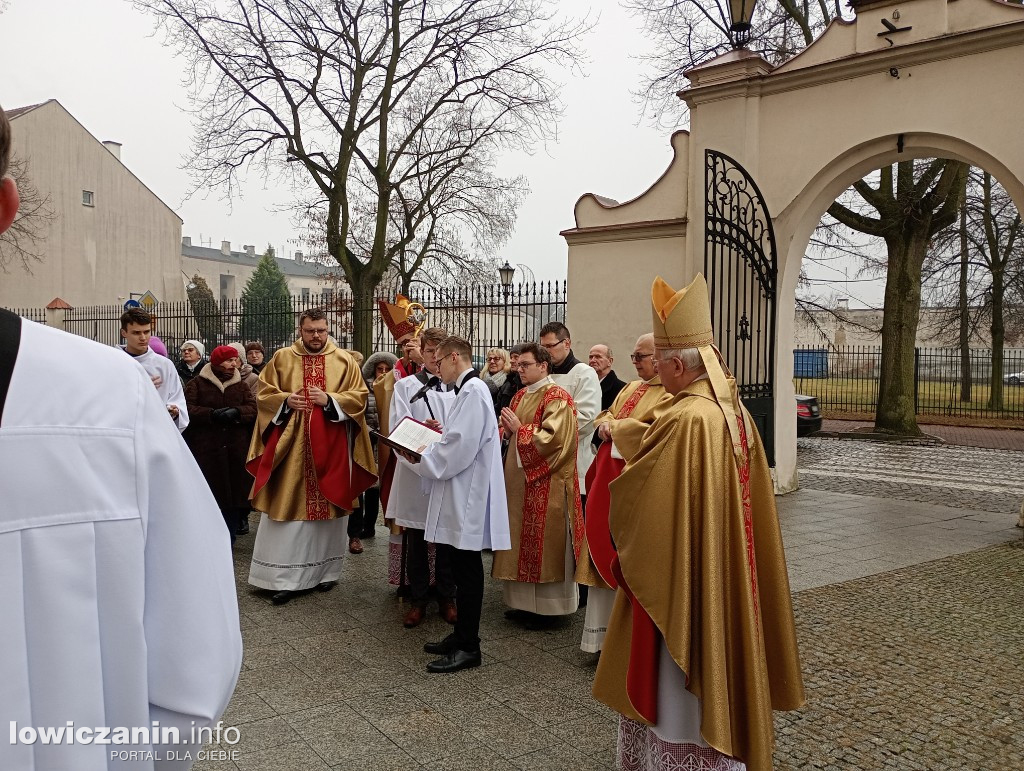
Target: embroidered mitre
{"points": [[398, 317]]}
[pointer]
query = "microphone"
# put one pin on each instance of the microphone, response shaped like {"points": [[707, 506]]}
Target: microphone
{"points": [[430, 385]]}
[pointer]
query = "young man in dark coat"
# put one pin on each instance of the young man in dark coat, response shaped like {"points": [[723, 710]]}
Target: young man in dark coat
{"points": [[225, 411]]}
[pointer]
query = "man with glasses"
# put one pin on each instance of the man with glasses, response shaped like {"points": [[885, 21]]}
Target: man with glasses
{"points": [[466, 511], [701, 644], [542, 487], [619, 431], [311, 458]]}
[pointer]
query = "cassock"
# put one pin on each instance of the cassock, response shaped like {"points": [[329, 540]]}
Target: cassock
{"points": [[309, 467], [581, 381], [170, 389], [466, 506], [119, 603], [611, 386], [631, 412], [410, 495], [545, 515]]}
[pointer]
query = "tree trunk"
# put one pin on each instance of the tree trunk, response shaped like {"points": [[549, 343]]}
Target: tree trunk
{"points": [[363, 291], [965, 338], [995, 397], [896, 412]]}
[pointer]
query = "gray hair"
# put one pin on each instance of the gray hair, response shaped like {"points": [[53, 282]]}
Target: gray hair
{"points": [[690, 357]]}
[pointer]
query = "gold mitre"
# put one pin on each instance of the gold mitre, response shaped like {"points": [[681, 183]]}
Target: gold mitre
{"points": [[400, 317], [681, 319]]}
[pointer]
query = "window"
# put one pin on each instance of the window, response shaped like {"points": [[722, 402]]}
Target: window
{"points": [[328, 296], [87, 198], [305, 293]]}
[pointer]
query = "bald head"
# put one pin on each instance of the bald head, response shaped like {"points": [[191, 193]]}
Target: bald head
{"points": [[643, 357], [600, 359]]}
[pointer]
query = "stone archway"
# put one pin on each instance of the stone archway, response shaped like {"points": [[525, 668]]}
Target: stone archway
{"points": [[855, 100]]}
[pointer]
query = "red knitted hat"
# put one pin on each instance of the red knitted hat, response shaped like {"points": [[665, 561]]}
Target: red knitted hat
{"points": [[221, 354]]}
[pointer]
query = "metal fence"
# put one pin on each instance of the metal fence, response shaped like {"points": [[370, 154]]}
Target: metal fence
{"points": [[488, 316], [845, 380], [32, 314]]}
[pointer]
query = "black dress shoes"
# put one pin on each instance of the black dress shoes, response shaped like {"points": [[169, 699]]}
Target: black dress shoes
{"points": [[447, 645], [283, 596], [326, 586], [454, 661], [243, 526]]}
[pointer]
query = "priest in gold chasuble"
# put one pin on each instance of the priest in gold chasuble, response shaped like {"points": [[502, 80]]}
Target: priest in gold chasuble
{"points": [[701, 645], [311, 458], [620, 429], [542, 489]]}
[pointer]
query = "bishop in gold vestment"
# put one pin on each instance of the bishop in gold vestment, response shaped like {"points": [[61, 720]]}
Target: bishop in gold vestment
{"points": [[701, 645], [624, 424], [542, 489], [310, 462]]}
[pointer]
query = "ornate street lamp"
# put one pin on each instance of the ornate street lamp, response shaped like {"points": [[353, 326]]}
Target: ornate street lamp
{"points": [[505, 273], [741, 13]]}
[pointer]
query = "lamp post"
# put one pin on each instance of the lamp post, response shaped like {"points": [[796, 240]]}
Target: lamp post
{"points": [[505, 273], [741, 13]]}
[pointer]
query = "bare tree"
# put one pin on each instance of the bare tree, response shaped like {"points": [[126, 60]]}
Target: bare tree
{"points": [[22, 243], [342, 98]]}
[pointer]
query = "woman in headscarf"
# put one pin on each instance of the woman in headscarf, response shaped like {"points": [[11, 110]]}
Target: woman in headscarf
{"points": [[498, 366], [362, 521], [249, 377], [193, 357], [222, 411]]}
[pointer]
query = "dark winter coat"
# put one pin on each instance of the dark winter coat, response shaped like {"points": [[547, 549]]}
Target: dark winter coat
{"points": [[187, 374], [220, 449], [503, 396]]}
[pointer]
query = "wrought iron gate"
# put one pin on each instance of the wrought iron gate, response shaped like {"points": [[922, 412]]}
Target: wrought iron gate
{"points": [[741, 268]]}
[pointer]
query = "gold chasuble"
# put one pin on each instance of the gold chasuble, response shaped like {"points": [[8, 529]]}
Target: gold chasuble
{"points": [[544, 494], [308, 467], [700, 561], [632, 413]]}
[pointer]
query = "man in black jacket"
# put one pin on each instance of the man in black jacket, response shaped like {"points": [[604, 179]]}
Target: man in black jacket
{"points": [[601, 360]]}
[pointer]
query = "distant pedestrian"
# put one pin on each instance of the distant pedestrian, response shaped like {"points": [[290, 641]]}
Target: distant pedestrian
{"points": [[255, 355], [503, 396], [498, 366], [250, 378], [193, 357], [223, 411]]}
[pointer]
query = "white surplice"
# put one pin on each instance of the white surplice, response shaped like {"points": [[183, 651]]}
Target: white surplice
{"points": [[118, 601], [467, 507], [584, 387], [170, 389], [410, 496]]}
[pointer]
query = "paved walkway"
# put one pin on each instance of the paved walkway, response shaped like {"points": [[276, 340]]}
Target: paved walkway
{"points": [[967, 436], [914, 669]]}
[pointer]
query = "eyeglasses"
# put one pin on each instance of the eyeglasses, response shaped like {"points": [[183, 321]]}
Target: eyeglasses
{"points": [[495, 358], [524, 364], [636, 358], [551, 346], [320, 332]]}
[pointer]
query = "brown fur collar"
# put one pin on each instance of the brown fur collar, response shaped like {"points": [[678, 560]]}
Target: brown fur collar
{"points": [[208, 373]]}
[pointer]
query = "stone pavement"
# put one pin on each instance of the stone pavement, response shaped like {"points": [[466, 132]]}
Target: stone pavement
{"points": [[917, 668], [967, 436]]}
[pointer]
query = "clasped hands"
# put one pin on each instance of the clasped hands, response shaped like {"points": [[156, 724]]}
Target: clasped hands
{"points": [[510, 423], [316, 398]]}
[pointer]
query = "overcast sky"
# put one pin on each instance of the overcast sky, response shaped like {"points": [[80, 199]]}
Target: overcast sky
{"points": [[100, 59]]}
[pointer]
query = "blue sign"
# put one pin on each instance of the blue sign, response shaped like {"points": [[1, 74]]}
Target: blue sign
{"points": [[132, 304]]}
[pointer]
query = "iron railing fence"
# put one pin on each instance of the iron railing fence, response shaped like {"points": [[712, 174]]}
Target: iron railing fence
{"points": [[845, 380], [32, 314], [487, 315]]}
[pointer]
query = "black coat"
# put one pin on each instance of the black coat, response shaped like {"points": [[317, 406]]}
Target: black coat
{"points": [[220, 449], [610, 388], [503, 396], [187, 374]]}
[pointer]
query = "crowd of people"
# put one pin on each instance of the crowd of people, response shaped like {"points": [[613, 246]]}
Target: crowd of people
{"points": [[650, 501]]}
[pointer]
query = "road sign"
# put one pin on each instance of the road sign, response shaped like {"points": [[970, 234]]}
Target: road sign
{"points": [[148, 300], [131, 304]]}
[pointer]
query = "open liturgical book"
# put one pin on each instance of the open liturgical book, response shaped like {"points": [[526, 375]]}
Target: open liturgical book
{"points": [[410, 436]]}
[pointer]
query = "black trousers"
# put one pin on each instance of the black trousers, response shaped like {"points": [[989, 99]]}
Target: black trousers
{"points": [[468, 569], [418, 567], [364, 518]]}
